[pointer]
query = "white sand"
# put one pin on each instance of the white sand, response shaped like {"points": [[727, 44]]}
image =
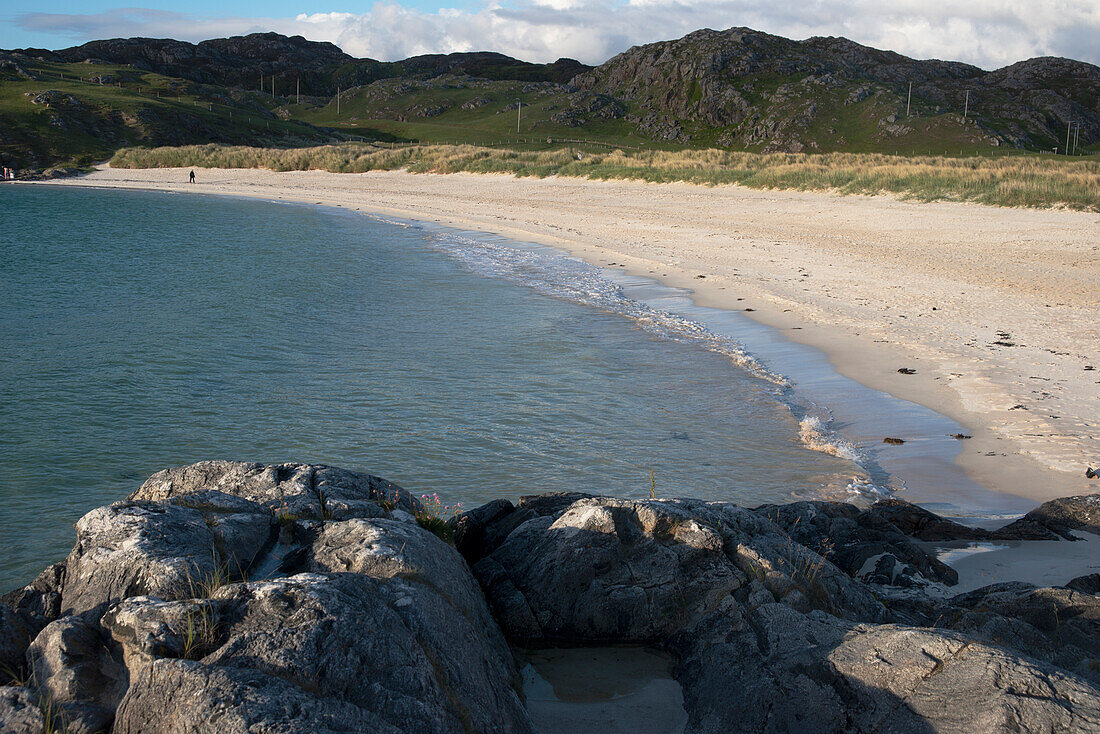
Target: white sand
{"points": [[875, 282], [1039, 562]]}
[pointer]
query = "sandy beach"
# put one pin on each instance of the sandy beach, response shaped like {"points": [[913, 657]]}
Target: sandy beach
{"points": [[996, 310]]}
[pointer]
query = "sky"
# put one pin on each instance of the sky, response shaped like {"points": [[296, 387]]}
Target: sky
{"points": [[987, 33]]}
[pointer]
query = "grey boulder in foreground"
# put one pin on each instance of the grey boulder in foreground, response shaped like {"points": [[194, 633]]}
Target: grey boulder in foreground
{"points": [[237, 597]]}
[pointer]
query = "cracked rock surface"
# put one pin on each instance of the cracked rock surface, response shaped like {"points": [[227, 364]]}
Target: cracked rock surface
{"points": [[247, 598]]}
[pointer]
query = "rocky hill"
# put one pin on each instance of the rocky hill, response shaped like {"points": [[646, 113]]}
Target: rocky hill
{"points": [[239, 597], [321, 68], [227, 62], [754, 89]]}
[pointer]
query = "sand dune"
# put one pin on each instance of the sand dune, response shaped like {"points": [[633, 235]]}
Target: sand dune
{"points": [[997, 310]]}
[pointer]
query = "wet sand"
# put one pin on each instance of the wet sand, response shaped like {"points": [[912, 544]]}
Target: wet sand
{"points": [[1038, 562], [996, 311]]}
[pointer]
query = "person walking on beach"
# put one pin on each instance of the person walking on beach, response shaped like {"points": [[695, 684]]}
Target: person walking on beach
{"points": [[192, 177]]}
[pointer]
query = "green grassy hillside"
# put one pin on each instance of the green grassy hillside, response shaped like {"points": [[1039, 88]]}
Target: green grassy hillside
{"points": [[77, 114], [460, 110], [734, 90]]}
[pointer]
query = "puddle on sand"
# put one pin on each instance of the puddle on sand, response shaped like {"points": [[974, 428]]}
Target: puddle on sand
{"points": [[1038, 562], [602, 690], [955, 552]]}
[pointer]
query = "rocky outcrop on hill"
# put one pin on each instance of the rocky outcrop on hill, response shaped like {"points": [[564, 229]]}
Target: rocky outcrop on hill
{"points": [[83, 125], [489, 65], [13, 67], [768, 91], [736, 88], [304, 598], [321, 68], [232, 62], [407, 99]]}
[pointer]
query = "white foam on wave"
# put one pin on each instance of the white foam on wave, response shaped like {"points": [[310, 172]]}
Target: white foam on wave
{"points": [[815, 434], [563, 276], [815, 430]]}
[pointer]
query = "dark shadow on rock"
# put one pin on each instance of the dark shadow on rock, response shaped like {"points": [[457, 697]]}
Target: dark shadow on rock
{"points": [[770, 635], [1054, 520], [1087, 584], [867, 544]]}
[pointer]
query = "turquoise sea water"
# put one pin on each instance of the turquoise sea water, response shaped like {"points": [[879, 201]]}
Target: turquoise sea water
{"points": [[145, 330]]}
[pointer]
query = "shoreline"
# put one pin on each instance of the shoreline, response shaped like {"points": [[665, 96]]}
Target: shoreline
{"points": [[595, 220]]}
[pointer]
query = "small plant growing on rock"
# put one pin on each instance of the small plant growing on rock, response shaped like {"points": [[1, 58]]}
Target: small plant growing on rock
{"points": [[9, 677], [804, 566], [433, 516], [55, 720], [755, 572], [199, 633], [284, 516], [326, 511], [389, 504], [199, 584]]}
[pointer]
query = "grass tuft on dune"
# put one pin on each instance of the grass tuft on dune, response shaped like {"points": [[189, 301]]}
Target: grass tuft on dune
{"points": [[1010, 180]]}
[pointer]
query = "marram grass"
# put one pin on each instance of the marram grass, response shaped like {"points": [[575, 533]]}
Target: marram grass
{"points": [[1011, 180]]}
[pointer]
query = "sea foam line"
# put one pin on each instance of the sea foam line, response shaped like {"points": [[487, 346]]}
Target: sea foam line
{"points": [[563, 276]]}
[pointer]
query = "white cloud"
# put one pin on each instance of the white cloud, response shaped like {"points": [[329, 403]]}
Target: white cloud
{"points": [[988, 33]]}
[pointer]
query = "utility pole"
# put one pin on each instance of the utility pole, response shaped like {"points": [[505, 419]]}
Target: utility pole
{"points": [[966, 105], [1068, 126], [337, 101], [909, 99], [1076, 136], [519, 114]]}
